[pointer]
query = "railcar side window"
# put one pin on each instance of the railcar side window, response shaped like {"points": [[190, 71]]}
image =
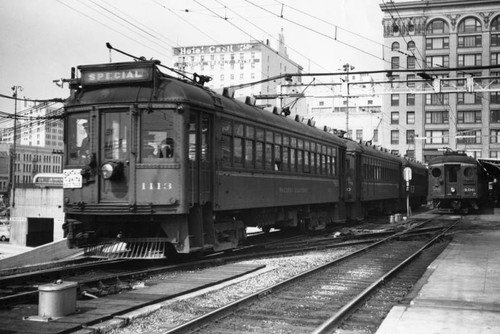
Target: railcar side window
{"points": [[300, 161], [333, 160], [238, 145], [192, 140], [157, 135], [307, 162], [259, 148], [78, 138], [249, 146], [205, 125], [238, 152], [226, 143]]}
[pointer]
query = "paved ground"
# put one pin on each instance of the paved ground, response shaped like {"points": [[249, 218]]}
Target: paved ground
{"points": [[460, 292]]}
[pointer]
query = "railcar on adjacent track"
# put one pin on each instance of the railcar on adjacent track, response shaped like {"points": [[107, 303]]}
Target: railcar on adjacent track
{"points": [[457, 182]]}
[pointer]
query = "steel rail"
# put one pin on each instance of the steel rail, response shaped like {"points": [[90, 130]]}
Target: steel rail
{"points": [[337, 318], [204, 319]]}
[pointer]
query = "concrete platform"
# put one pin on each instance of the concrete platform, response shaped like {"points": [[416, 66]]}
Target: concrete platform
{"points": [[13, 256], [8, 250], [460, 292]]}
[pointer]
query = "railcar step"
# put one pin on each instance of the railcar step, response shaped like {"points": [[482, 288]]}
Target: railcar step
{"points": [[131, 248]]}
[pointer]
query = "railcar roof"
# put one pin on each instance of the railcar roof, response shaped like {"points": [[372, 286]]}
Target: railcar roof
{"points": [[353, 146], [239, 109], [174, 90], [452, 158]]}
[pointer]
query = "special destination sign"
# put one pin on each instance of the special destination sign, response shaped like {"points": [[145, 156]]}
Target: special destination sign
{"points": [[94, 77]]}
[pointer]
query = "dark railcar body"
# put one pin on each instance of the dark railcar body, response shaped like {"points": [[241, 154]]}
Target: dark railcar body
{"points": [[151, 156], [375, 181], [154, 160], [457, 182]]}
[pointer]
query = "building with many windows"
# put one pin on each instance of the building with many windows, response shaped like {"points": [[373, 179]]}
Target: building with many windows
{"points": [[240, 64], [442, 35], [359, 116], [39, 143]]}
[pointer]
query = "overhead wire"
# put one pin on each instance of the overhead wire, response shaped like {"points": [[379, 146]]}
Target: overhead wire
{"points": [[263, 30], [317, 32], [403, 36], [243, 31], [148, 30], [108, 26], [259, 28], [331, 24], [110, 15], [196, 27]]}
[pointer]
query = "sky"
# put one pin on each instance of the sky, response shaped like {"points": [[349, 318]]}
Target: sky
{"points": [[40, 40]]}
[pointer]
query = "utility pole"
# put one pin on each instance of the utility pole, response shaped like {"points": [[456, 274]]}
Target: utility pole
{"points": [[15, 89], [347, 67]]}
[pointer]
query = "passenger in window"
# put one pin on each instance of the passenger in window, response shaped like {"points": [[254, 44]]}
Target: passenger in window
{"points": [[167, 148], [84, 148], [149, 149], [277, 165]]}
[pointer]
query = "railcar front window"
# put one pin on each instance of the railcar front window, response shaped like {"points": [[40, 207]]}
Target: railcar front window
{"points": [[452, 174], [78, 138], [115, 133], [469, 172], [157, 135]]}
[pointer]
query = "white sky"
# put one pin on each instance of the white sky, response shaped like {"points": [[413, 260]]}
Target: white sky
{"points": [[40, 40]]}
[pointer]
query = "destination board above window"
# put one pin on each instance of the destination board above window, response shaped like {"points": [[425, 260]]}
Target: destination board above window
{"points": [[101, 75]]}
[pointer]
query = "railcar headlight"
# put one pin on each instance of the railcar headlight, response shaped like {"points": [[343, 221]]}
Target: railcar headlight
{"points": [[111, 170], [107, 171], [453, 190]]}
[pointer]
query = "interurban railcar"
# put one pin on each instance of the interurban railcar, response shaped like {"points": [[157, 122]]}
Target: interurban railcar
{"points": [[457, 182], [375, 181], [170, 165], [150, 157]]}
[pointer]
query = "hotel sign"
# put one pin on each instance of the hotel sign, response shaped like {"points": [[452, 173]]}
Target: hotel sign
{"points": [[208, 49]]}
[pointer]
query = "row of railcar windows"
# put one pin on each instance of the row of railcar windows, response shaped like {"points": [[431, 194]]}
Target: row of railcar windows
{"points": [[250, 147], [375, 169]]}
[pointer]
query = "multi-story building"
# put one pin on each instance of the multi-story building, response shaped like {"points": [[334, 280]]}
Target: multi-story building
{"points": [[358, 116], [240, 64], [39, 142], [440, 35]]}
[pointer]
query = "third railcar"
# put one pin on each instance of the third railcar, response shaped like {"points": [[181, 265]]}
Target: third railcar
{"points": [[375, 181], [457, 182]]}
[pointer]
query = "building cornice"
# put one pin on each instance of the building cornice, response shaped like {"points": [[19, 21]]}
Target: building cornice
{"points": [[423, 4]]}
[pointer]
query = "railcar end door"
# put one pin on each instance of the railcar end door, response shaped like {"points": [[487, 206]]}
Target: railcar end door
{"points": [[200, 157], [451, 178]]}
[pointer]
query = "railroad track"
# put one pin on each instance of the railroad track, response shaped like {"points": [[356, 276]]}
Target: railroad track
{"points": [[322, 245], [21, 284], [119, 274], [319, 300], [27, 278]]}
